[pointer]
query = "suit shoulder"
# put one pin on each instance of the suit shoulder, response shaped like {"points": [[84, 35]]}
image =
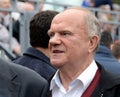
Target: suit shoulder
{"points": [[26, 73]]}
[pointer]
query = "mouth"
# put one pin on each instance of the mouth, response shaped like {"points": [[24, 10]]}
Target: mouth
{"points": [[57, 51]]}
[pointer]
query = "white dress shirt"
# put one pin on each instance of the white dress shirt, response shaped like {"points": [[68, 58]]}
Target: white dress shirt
{"points": [[76, 87]]}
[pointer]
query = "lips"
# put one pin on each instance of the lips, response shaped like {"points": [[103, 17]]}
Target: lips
{"points": [[57, 51]]}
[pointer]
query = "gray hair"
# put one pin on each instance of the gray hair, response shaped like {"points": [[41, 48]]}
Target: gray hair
{"points": [[93, 25]]}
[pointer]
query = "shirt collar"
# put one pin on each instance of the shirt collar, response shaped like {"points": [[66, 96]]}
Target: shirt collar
{"points": [[86, 77], [88, 74], [55, 80]]}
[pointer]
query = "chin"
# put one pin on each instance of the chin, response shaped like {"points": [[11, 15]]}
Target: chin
{"points": [[56, 64]]}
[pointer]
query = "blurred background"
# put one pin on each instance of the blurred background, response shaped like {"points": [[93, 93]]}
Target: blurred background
{"points": [[16, 14]]}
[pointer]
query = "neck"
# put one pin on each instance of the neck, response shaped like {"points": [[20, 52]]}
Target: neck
{"points": [[67, 77], [44, 50], [70, 73]]}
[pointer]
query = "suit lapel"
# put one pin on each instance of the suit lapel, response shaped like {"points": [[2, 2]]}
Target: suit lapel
{"points": [[14, 88], [107, 80]]}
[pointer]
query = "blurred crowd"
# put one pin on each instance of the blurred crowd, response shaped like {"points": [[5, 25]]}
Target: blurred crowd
{"points": [[5, 22], [27, 5]]}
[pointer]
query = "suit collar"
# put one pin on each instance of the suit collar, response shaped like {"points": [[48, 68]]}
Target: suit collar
{"points": [[107, 81], [37, 54]]}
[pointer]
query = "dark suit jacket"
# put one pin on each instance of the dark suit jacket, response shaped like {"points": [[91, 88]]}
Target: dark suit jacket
{"points": [[19, 81], [37, 61], [109, 84]]}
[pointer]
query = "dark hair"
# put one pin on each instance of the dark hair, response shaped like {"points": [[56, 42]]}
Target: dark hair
{"points": [[106, 39], [39, 26]]}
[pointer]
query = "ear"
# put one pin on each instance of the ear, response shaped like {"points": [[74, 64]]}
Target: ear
{"points": [[93, 43], [111, 46]]}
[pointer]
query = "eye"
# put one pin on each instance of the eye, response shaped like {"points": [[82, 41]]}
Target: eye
{"points": [[51, 34], [65, 33]]}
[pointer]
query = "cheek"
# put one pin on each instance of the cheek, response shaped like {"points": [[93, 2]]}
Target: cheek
{"points": [[79, 47], [74, 48]]}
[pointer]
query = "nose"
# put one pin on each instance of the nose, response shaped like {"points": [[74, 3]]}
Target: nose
{"points": [[55, 40]]}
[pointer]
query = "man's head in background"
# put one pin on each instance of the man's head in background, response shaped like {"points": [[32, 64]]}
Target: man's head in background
{"points": [[106, 39], [39, 26], [5, 4]]}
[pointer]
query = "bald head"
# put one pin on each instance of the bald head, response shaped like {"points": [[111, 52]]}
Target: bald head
{"points": [[83, 17], [73, 15]]}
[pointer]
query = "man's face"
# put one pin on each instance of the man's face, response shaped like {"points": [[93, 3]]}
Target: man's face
{"points": [[69, 41], [5, 4]]}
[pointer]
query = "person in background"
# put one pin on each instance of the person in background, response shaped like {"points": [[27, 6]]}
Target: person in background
{"points": [[117, 27], [19, 81], [72, 46], [98, 3], [4, 31], [116, 50], [37, 56], [86, 3], [25, 6], [104, 54], [5, 41], [5, 14]]}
